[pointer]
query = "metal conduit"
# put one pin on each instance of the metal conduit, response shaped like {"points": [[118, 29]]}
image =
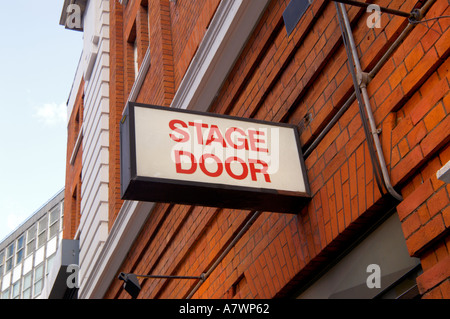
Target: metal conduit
{"points": [[348, 48], [364, 78], [419, 13], [364, 102]]}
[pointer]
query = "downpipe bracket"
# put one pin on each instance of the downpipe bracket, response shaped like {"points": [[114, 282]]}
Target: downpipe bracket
{"points": [[363, 79]]}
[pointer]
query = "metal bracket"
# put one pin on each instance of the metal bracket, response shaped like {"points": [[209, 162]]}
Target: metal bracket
{"points": [[132, 286], [201, 277], [363, 79], [413, 16]]}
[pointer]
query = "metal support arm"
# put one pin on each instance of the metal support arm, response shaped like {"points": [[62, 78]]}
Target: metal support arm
{"points": [[413, 15]]}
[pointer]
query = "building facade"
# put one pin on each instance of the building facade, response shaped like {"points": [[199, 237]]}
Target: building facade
{"points": [[369, 98], [28, 253]]}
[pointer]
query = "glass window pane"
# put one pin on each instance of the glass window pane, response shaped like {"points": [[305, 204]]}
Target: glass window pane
{"points": [[31, 233], [5, 294], [2, 260], [27, 281], [39, 272], [31, 242], [19, 256], [10, 251], [54, 215], [16, 290], [9, 264], [26, 293], [54, 229], [31, 246], [42, 239], [20, 243], [38, 287], [50, 263], [42, 226]]}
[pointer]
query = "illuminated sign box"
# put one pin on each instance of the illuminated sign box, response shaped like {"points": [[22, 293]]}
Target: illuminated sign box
{"points": [[197, 158]]}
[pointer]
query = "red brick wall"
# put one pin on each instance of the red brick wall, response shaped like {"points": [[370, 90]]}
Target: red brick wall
{"points": [[303, 79], [72, 191], [117, 98], [168, 29]]}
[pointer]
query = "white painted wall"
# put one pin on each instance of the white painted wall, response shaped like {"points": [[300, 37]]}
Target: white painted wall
{"points": [[94, 65]]}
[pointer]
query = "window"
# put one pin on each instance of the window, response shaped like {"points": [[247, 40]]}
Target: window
{"points": [[50, 263], [38, 279], [135, 58], [5, 294], [54, 222], [26, 293], [16, 290], [293, 13], [31, 240], [42, 231], [9, 257], [2, 260], [19, 249]]}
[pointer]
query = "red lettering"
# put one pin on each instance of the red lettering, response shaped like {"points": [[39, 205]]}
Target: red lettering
{"points": [[190, 166], [175, 129], [199, 132], [215, 135], [254, 170], [178, 167], [243, 141], [254, 140], [228, 162], [219, 170]]}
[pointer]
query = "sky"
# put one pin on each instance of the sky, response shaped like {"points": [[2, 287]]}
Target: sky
{"points": [[38, 60]]}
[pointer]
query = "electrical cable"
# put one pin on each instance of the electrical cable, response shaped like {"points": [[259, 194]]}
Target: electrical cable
{"points": [[412, 21]]}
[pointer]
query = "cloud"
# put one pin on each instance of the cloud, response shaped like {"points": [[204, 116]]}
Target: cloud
{"points": [[52, 113]]}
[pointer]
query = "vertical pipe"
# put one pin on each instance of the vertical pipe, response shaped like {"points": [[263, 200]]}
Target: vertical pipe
{"points": [[365, 96], [375, 164]]}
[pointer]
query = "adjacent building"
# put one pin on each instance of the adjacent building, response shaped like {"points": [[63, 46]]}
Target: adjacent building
{"points": [[28, 253], [368, 96]]}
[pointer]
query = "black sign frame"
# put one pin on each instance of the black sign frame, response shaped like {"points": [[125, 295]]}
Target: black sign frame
{"points": [[151, 189]]}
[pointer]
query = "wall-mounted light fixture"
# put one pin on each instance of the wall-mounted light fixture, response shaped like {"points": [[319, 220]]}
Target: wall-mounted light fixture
{"points": [[132, 286]]}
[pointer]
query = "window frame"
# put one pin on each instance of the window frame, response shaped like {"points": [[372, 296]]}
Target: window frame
{"points": [[10, 253], [52, 223], [40, 232], [31, 240], [20, 249], [38, 279]]}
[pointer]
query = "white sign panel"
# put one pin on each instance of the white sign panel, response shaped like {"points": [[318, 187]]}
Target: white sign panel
{"points": [[181, 156]]}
